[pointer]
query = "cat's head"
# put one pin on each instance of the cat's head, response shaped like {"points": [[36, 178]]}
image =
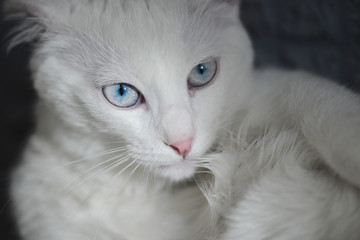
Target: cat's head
{"points": [[160, 75]]}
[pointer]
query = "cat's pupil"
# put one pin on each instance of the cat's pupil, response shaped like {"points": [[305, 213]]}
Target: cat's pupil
{"points": [[122, 89], [201, 68]]}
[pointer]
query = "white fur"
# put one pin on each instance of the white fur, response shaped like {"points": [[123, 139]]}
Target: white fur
{"points": [[275, 154]]}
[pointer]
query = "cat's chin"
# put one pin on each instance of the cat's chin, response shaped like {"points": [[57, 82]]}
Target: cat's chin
{"points": [[177, 172]]}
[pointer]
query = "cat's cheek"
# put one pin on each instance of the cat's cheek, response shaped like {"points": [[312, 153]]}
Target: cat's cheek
{"points": [[207, 121], [202, 142]]}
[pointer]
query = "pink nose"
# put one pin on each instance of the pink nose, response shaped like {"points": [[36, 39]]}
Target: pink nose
{"points": [[182, 147]]}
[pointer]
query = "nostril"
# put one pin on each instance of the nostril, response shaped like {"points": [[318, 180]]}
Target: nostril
{"points": [[179, 151], [182, 147]]}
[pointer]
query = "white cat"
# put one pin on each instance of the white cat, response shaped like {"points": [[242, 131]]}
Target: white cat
{"points": [[152, 124]]}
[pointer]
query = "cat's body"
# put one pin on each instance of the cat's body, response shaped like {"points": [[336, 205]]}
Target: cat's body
{"points": [[278, 144], [282, 187]]}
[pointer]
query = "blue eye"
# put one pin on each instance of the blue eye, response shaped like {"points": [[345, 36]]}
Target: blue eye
{"points": [[122, 95], [202, 74]]}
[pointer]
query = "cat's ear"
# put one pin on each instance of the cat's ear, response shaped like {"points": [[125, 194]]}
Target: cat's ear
{"points": [[49, 10], [22, 7], [233, 6], [32, 17], [232, 2]]}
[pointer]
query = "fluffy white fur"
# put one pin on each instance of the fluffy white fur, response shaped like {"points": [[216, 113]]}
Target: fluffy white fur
{"points": [[275, 154]]}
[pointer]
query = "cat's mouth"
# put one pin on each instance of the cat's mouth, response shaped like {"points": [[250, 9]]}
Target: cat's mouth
{"points": [[180, 164], [178, 171]]}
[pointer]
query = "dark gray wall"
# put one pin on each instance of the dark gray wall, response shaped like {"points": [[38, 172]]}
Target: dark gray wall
{"points": [[322, 36]]}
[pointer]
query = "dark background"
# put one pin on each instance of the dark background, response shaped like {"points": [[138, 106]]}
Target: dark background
{"points": [[321, 36]]}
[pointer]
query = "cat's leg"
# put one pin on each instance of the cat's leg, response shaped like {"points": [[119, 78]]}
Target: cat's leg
{"points": [[328, 115], [291, 203]]}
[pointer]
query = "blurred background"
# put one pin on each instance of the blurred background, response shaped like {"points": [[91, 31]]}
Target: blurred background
{"points": [[320, 36]]}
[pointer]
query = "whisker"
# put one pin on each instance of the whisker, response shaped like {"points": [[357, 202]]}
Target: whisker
{"points": [[107, 205], [80, 160], [148, 178], [114, 164], [125, 168], [142, 180], [130, 174]]}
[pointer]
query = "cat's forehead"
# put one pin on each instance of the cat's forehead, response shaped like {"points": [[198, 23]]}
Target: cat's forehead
{"points": [[140, 36], [128, 24], [158, 23]]}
